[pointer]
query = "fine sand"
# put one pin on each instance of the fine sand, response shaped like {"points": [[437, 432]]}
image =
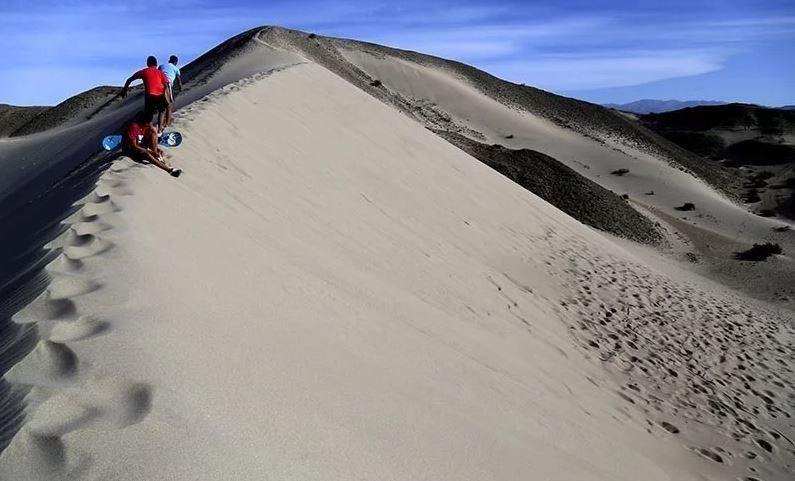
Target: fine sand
{"points": [[333, 291]]}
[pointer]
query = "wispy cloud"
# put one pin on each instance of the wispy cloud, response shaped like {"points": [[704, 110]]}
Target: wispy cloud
{"points": [[613, 70], [562, 45], [485, 41], [787, 21]]}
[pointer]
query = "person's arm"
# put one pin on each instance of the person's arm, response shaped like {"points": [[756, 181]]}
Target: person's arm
{"points": [[155, 154], [179, 81], [155, 159], [133, 77], [152, 140], [167, 83], [143, 151]]}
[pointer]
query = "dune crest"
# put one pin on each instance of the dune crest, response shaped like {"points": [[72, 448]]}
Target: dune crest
{"points": [[334, 291]]}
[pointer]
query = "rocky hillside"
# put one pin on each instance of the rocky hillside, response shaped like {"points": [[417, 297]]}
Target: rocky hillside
{"points": [[758, 142], [562, 187], [13, 117]]}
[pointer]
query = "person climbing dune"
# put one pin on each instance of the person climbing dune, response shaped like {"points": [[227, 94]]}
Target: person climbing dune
{"points": [[155, 84], [174, 80], [140, 143]]}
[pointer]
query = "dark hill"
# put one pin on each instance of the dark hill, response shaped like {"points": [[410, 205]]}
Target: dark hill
{"points": [[755, 152], [723, 117], [740, 135], [71, 111], [13, 117], [562, 187], [648, 106]]}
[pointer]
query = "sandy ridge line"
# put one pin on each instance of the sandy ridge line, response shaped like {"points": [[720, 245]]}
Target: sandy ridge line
{"points": [[184, 114]]}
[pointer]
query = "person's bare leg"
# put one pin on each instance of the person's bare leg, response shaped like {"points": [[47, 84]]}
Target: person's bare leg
{"points": [[170, 105], [159, 152], [161, 117], [157, 161], [155, 155]]}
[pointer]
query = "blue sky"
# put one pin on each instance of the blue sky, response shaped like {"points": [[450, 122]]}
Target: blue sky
{"points": [[598, 50]]}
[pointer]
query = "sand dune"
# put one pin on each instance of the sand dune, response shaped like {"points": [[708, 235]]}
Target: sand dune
{"points": [[333, 291], [589, 139]]}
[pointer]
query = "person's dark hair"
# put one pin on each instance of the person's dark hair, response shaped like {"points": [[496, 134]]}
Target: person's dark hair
{"points": [[173, 59], [151, 61], [143, 118]]}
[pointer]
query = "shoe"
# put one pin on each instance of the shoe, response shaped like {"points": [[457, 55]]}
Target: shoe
{"points": [[176, 172]]}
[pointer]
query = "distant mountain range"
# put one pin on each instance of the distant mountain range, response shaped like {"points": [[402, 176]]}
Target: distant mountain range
{"points": [[652, 106]]}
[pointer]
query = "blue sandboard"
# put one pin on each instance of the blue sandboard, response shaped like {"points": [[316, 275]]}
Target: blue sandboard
{"points": [[168, 139]]}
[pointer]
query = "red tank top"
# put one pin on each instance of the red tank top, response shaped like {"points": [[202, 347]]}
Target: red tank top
{"points": [[154, 80], [137, 133]]}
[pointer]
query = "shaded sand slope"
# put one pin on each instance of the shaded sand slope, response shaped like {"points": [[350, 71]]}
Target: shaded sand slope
{"points": [[33, 162], [333, 292], [45, 172]]}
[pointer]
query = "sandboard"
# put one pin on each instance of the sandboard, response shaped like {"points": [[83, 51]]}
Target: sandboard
{"points": [[167, 139]]}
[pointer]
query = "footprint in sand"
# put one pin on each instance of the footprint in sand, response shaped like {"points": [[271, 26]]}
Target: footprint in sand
{"points": [[103, 402], [89, 228], [112, 182], [123, 165], [67, 237], [82, 328], [94, 209], [43, 457], [91, 248], [70, 286], [44, 308], [48, 364], [64, 265], [669, 427], [96, 197], [709, 454], [692, 354], [120, 189]]}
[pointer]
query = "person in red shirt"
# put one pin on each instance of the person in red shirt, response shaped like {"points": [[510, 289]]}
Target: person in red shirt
{"points": [[140, 143], [155, 82]]}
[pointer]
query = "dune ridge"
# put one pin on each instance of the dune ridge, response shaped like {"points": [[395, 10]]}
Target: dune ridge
{"points": [[373, 302]]}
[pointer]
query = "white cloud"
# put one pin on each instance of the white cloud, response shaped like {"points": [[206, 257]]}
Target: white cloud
{"points": [[486, 41], [580, 72], [752, 22]]}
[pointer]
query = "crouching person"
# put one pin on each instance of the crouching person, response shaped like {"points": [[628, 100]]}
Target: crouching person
{"points": [[140, 143]]}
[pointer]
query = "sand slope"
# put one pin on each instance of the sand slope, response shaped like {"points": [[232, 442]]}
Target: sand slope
{"points": [[333, 292], [589, 139]]}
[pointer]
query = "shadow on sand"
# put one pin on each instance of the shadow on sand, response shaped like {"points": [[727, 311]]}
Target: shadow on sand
{"points": [[30, 217]]}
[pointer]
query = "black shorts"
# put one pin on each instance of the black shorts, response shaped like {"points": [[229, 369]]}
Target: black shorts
{"points": [[133, 154], [154, 104]]}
